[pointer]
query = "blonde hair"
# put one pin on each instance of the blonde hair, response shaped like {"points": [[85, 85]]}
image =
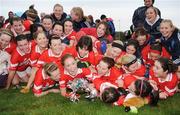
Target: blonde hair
{"points": [[118, 42], [7, 32], [169, 22], [128, 58], [154, 8], [79, 12], [49, 68]]}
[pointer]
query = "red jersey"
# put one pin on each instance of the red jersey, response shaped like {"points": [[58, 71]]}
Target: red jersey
{"points": [[139, 72], [128, 79], [169, 85], [146, 57], [47, 57], [10, 48], [91, 57], [72, 35], [66, 77], [110, 77], [19, 60], [93, 32], [35, 54], [42, 81]]}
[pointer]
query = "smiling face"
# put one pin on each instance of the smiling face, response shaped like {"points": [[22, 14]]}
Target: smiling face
{"points": [[55, 75], [42, 40], [58, 30], [68, 27], [151, 14], [154, 56], [70, 65], [56, 46], [101, 30], [148, 3], [130, 49], [115, 52], [18, 27], [23, 45], [158, 70], [102, 68], [58, 11], [166, 29], [141, 39], [4, 40], [47, 23]]}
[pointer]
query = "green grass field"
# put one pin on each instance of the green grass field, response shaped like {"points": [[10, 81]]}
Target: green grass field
{"points": [[12, 102]]}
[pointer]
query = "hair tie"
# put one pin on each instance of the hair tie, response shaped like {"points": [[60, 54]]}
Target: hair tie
{"points": [[130, 63]]}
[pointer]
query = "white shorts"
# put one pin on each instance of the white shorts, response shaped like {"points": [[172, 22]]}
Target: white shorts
{"points": [[24, 73]]}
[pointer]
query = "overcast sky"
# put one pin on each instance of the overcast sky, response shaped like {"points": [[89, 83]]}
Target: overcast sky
{"points": [[120, 10]]}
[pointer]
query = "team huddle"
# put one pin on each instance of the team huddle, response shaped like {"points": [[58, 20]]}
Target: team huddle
{"points": [[65, 54]]}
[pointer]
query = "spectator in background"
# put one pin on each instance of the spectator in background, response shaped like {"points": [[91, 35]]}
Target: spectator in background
{"points": [[42, 14], [31, 16], [24, 15], [97, 21], [138, 18], [58, 15], [110, 24], [10, 16], [152, 23], [171, 40], [79, 21], [91, 21], [1, 21]]}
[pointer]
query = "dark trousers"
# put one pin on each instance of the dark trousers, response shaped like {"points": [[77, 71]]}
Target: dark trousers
{"points": [[3, 79]]}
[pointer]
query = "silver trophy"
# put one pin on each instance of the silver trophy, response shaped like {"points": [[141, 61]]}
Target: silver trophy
{"points": [[80, 84]]}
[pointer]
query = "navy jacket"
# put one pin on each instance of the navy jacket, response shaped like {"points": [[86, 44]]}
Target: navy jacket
{"points": [[139, 16], [63, 17], [172, 45], [153, 30], [82, 24]]}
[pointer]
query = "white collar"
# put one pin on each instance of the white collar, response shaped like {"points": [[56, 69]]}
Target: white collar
{"points": [[50, 53], [168, 78], [86, 56], [37, 49], [22, 53], [151, 24]]}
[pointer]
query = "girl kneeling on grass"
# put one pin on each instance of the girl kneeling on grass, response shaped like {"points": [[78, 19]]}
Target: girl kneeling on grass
{"points": [[164, 77], [45, 79]]}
